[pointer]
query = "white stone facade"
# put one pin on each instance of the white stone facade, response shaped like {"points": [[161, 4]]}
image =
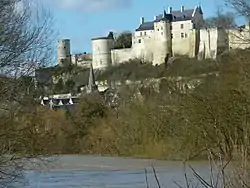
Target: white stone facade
{"points": [[153, 40], [101, 51], [182, 34]]}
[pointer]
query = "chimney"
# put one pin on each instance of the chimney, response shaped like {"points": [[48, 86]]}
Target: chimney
{"points": [[142, 20], [182, 8], [169, 10]]}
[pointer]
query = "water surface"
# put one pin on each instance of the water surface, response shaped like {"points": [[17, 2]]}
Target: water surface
{"points": [[97, 172]]}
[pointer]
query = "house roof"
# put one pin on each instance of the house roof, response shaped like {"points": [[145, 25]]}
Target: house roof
{"points": [[177, 16]]}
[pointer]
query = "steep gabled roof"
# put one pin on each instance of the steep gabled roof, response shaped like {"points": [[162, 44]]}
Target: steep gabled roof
{"points": [[178, 15], [146, 26], [165, 17]]}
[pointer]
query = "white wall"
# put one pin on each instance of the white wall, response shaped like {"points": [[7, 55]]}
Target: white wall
{"points": [[144, 33], [143, 50], [239, 39], [121, 55], [181, 46], [177, 30], [208, 42], [102, 52], [162, 42], [181, 37]]}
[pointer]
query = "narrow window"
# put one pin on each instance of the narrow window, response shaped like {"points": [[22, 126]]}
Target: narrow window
{"points": [[145, 33], [161, 33], [182, 35], [172, 35], [186, 35], [182, 26], [141, 33], [139, 41]]}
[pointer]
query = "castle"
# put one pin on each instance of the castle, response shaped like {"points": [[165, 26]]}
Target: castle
{"points": [[175, 32]]}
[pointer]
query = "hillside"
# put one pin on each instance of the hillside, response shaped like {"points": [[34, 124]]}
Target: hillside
{"points": [[61, 80]]}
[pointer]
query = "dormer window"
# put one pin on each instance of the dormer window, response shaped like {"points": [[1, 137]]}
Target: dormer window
{"points": [[184, 16]]}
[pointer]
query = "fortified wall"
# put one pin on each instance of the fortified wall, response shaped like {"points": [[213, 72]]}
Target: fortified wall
{"points": [[172, 33], [202, 44]]}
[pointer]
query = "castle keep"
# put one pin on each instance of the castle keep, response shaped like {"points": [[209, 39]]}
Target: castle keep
{"points": [[175, 32]]}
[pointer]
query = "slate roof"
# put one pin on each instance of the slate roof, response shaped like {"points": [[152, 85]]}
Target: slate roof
{"points": [[146, 26], [180, 16], [177, 16], [110, 36]]}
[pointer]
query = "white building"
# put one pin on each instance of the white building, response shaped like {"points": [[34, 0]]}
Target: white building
{"points": [[176, 32], [169, 33]]}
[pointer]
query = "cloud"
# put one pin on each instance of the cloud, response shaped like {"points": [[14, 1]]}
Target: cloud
{"points": [[89, 5]]}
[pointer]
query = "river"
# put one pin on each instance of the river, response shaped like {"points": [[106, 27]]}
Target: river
{"points": [[112, 172]]}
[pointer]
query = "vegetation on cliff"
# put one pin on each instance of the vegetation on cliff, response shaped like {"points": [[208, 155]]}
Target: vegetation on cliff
{"points": [[180, 67], [171, 123], [58, 79]]}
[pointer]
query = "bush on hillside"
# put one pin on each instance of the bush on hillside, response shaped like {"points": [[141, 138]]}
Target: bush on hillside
{"points": [[136, 70], [170, 124]]}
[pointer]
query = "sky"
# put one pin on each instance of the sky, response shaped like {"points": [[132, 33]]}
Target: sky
{"points": [[81, 20]]}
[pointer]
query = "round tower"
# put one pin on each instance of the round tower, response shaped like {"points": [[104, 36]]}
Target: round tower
{"points": [[101, 51], [163, 38], [63, 49]]}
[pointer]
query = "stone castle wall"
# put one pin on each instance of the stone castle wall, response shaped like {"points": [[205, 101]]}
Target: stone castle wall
{"points": [[202, 43], [121, 55], [239, 38]]}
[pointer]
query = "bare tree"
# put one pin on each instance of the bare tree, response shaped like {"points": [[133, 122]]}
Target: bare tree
{"points": [[26, 43], [242, 7], [240, 36], [221, 19]]}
